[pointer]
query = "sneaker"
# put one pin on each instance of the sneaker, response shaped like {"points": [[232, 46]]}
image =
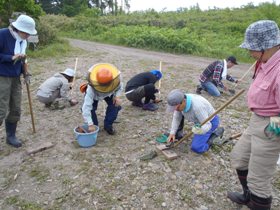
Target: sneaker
{"points": [[48, 105], [198, 89], [57, 106], [137, 103], [218, 133], [110, 130], [150, 107]]}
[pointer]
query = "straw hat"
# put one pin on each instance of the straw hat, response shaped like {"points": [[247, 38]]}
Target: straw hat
{"points": [[104, 77]]}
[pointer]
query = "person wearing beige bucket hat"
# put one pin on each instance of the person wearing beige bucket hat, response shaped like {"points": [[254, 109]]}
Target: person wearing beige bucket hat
{"points": [[54, 92], [256, 153], [104, 83], [13, 44]]}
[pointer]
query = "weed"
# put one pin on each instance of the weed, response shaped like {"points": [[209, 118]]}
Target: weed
{"points": [[40, 173], [22, 204]]}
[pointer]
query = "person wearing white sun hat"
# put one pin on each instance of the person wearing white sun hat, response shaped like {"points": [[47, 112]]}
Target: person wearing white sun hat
{"points": [[12, 59], [56, 90]]}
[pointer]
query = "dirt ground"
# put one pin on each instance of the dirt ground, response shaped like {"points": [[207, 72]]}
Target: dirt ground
{"points": [[110, 175]]}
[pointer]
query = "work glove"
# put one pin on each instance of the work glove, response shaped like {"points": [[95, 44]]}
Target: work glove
{"points": [[27, 78], [274, 125], [196, 129]]}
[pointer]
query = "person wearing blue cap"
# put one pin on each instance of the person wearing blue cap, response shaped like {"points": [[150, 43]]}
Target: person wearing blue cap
{"points": [[141, 86], [211, 78]]}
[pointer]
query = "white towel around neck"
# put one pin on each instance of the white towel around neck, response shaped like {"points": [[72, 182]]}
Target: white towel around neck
{"points": [[20, 45], [224, 74]]}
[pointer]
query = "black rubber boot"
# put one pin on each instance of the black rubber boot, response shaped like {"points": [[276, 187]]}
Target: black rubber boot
{"points": [[258, 203], [11, 134], [198, 89], [241, 198]]}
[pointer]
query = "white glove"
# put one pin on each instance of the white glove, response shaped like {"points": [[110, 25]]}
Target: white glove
{"points": [[275, 122], [196, 129]]}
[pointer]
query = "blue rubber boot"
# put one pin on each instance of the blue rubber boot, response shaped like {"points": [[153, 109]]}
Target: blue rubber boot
{"points": [[11, 138]]}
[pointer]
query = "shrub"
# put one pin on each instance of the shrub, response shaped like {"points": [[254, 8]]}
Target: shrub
{"points": [[47, 33]]}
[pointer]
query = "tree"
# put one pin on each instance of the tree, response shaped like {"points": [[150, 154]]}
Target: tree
{"points": [[7, 7]]}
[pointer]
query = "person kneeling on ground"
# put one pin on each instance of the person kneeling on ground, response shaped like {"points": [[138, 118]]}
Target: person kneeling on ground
{"points": [[104, 83], [211, 78], [56, 88], [195, 109], [143, 86]]}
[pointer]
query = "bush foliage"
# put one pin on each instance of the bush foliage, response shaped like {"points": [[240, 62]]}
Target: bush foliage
{"points": [[212, 33]]}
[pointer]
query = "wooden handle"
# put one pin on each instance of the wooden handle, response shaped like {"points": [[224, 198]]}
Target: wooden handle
{"points": [[234, 136], [211, 116], [30, 108]]}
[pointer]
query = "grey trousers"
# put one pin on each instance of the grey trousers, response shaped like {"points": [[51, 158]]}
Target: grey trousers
{"points": [[136, 95], [257, 153], [50, 99], [10, 99]]}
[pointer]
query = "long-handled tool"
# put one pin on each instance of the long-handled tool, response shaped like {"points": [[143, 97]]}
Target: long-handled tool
{"points": [[172, 145], [244, 75], [232, 91], [29, 99], [159, 82], [74, 78]]}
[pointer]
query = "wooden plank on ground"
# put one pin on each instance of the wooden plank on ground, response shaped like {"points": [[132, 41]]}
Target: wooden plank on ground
{"points": [[40, 148], [169, 154]]}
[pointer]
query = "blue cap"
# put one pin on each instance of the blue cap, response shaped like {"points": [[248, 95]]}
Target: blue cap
{"points": [[157, 73]]}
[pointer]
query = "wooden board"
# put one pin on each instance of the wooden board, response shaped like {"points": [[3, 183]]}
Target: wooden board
{"points": [[169, 154], [40, 148]]}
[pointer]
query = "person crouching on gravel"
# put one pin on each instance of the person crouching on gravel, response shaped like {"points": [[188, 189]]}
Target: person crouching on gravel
{"points": [[104, 83], [211, 78], [143, 86], [54, 92], [195, 109]]}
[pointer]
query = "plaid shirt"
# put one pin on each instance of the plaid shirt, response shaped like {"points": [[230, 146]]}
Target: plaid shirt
{"points": [[213, 73]]}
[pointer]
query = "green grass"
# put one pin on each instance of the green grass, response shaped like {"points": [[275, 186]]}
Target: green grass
{"points": [[22, 204], [58, 50]]}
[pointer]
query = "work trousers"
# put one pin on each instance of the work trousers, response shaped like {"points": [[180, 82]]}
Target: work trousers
{"points": [[10, 99], [211, 88], [200, 141], [111, 112], [257, 152], [146, 91]]}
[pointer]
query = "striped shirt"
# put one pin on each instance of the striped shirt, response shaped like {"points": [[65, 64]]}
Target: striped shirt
{"points": [[213, 73], [200, 110]]}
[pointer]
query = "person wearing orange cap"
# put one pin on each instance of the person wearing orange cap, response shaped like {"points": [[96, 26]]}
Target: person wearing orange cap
{"points": [[104, 83]]}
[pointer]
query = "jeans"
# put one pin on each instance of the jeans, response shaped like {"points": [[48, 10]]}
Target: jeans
{"points": [[211, 88], [111, 112], [200, 142]]}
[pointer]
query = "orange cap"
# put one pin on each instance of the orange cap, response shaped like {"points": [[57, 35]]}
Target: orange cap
{"points": [[104, 76]]}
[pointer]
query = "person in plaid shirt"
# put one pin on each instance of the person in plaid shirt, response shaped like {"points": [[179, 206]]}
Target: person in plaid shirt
{"points": [[211, 77]]}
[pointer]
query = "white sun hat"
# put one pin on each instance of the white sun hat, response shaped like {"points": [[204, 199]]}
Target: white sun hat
{"points": [[69, 72], [25, 24]]}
